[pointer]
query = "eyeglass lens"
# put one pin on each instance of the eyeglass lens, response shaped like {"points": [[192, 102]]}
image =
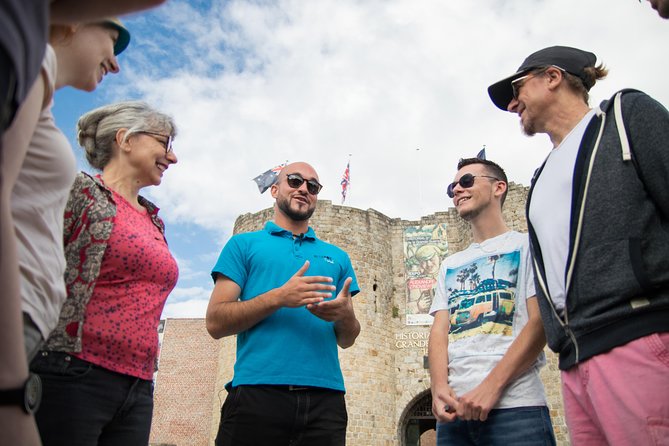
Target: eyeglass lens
{"points": [[517, 84], [167, 143], [466, 181], [295, 181]]}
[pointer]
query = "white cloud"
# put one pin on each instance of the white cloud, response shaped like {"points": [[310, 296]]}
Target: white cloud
{"points": [[189, 268], [253, 84], [186, 309], [259, 83], [187, 302]]}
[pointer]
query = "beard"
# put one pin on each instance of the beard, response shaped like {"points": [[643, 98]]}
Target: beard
{"points": [[471, 214], [528, 128], [534, 120], [295, 215]]}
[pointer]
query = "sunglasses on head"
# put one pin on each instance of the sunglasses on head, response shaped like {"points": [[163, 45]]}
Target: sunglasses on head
{"points": [[466, 181], [167, 143], [295, 180]]}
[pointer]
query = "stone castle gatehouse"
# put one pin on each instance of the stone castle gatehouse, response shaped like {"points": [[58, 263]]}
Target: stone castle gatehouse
{"points": [[386, 371]]}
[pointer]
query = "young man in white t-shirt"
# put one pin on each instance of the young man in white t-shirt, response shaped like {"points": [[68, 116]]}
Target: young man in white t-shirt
{"points": [[487, 338]]}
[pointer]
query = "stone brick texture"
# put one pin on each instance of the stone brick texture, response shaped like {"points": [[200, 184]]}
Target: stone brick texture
{"points": [[184, 394], [385, 384]]}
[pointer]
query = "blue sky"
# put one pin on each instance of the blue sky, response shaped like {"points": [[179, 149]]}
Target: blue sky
{"points": [[400, 85]]}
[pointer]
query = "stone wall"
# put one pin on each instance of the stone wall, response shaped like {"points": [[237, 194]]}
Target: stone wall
{"points": [[385, 379]]}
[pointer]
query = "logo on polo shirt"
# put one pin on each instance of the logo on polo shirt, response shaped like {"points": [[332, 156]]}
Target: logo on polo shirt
{"points": [[326, 258]]}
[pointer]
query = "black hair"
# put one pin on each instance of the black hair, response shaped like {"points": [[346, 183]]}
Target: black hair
{"points": [[492, 168]]}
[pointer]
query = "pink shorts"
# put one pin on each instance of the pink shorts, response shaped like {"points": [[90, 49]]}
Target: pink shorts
{"points": [[620, 397]]}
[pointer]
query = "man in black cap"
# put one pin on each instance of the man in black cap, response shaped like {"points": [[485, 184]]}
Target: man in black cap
{"points": [[598, 218]]}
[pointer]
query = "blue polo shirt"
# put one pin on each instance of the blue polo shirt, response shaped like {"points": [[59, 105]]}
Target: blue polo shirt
{"points": [[291, 346]]}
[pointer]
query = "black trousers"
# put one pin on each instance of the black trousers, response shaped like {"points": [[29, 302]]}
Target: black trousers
{"points": [[84, 405], [283, 416]]}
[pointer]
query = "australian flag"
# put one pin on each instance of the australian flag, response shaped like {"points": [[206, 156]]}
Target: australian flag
{"points": [[345, 182], [266, 179]]}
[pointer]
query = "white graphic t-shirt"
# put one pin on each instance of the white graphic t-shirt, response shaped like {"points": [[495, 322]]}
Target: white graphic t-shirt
{"points": [[484, 288]]}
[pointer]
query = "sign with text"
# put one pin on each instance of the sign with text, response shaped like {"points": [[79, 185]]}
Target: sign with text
{"points": [[424, 249]]}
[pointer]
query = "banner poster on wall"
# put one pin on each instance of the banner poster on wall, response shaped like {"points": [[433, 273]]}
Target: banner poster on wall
{"points": [[424, 249]]}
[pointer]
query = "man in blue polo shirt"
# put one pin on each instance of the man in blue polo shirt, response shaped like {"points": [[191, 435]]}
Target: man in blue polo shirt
{"points": [[287, 295]]}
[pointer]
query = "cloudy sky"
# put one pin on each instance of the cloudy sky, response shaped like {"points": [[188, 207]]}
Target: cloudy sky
{"points": [[397, 85]]}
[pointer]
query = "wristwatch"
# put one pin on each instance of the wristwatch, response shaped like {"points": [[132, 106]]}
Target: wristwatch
{"points": [[28, 396]]}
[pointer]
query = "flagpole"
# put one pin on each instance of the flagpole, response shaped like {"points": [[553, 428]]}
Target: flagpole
{"points": [[420, 184]]}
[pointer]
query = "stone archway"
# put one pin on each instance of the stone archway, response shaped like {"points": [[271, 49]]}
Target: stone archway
{"points": [[419, 426]]}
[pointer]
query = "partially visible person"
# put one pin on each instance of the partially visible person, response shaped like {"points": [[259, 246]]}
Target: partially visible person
{"points": [[84, 54], [662, 7], [97, 365], [24, 30], [76, 11], [287, 296], [486, 341], [38, 169], [23, 37], [598, 218]]}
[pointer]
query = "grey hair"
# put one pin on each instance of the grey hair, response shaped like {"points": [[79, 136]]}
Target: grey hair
{"points": [[96, 130]]}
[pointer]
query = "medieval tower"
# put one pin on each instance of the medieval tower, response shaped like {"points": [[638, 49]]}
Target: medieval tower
{"points": [[386, 372]]}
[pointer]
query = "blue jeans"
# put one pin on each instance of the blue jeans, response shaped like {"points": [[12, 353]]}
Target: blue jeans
{"points": [[83, 404], [283, 416], [530, 426]]}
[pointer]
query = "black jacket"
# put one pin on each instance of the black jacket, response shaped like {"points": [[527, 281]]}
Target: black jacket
{"points": [[617, 275]]}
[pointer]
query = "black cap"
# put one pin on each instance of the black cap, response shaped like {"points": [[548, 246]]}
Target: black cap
{"points": [[571, 60]]}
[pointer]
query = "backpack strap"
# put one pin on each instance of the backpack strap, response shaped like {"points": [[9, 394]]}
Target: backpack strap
{"points": [[626, 146], [620, 125]]}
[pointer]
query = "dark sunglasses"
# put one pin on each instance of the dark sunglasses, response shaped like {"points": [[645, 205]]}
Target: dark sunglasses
{"points": [[466, 181], [167, 143], [295, 180], [518, 83]]}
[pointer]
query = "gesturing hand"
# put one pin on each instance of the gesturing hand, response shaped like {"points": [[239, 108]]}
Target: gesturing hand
{"points": [[304, 290], [336, 309]]}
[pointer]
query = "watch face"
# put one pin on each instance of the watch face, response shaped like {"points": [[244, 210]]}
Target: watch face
{"points": [[33, 393]]}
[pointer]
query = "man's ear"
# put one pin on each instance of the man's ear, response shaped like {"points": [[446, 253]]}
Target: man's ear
{"points": [[555, 77], [274, 190], [500, 188]]}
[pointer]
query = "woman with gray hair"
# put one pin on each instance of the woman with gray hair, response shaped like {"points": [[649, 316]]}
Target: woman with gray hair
{"points": [[97, 365]]}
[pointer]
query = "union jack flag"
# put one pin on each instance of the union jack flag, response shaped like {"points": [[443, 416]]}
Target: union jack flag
{"points": [[345, 182]]}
